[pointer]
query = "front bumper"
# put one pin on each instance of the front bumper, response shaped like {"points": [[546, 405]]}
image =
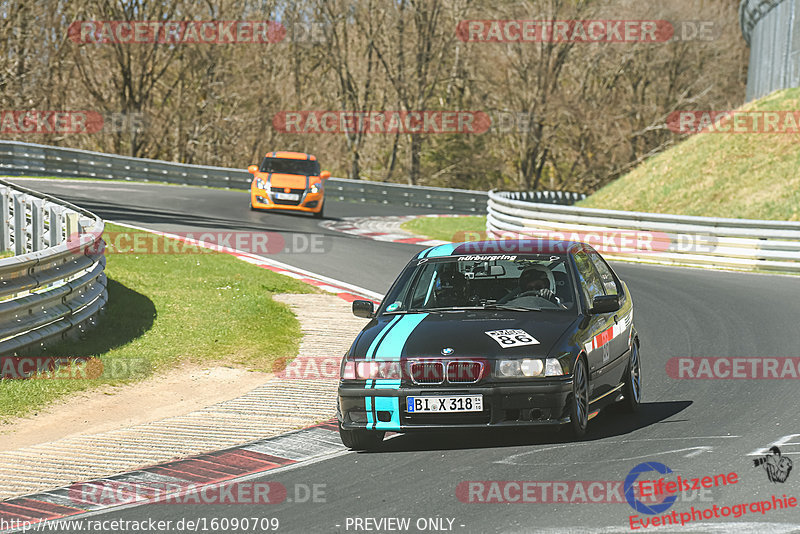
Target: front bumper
{"points": [[309, 202], [504, 405]]}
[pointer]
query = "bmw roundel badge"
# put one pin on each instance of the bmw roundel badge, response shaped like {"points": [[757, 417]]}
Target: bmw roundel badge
{"points": [[447, 351]]}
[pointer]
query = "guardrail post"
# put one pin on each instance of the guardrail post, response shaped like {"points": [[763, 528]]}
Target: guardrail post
{"points": [[20, 230], [5, 219], [73, 225], [37, 225], [56, 219]]}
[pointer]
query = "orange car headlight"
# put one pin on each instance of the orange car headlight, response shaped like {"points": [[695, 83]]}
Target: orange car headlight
{"points": [[315, 188]]}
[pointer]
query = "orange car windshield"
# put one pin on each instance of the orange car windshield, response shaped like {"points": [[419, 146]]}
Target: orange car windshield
{"points": [[302, 167]]}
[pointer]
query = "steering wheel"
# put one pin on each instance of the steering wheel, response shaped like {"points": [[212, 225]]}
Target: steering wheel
{"points": [[549, 295], [543, 294]]}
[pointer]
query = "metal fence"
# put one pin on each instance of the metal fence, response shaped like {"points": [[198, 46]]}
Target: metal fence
{"points": [[32, 159], [772, 30], [52, 280], [42, 160], [652, 238]]}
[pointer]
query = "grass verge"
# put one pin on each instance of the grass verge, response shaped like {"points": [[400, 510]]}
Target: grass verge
{"points": [[165, 309], [743, 175], [448, 228]]}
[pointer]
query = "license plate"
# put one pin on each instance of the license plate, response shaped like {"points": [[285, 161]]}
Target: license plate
{"points": [[461, 403], [287, 196]]}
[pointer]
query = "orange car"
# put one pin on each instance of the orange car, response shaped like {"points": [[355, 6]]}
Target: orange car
{"points": [[288, 181]]}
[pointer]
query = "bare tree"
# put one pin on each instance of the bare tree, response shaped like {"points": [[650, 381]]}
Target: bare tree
{"points": [[351, 31], [590, 111], [425, 31]]}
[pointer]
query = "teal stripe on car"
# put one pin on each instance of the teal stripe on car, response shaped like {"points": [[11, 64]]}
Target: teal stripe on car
{"points": [[442, 250], [376, 342], [387, 404], [380, 337], [390, 348], [391, 345]]}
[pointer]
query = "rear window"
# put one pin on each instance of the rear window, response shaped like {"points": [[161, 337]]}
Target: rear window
{"points": [[302, 167]]}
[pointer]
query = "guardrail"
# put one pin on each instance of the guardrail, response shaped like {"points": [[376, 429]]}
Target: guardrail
{"points": [[43, 160], [650, 237], [54, 284], [770, 29]]}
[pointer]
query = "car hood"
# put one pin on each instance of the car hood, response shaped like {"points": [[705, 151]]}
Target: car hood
{"points": [[292, 181], [465, 332]]}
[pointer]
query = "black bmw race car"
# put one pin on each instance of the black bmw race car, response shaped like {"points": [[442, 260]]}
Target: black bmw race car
{"points": [[491, 334]]}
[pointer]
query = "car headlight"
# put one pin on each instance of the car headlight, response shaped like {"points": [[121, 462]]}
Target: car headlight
{"points": [[261, 184], [348, 370], [553, 367], [508, 368], [529, 367], [370, 370], [316, 188]]}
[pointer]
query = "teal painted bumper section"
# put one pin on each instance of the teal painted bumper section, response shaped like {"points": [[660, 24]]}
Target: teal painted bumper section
{"points": [[388, 404], [388, 346]]}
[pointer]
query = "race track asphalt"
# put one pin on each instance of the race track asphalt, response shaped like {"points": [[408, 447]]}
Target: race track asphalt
{"points": [[696, 427]]}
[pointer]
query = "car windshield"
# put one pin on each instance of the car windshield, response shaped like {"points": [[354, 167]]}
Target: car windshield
{"points": [[303, 167], [523, 283]]}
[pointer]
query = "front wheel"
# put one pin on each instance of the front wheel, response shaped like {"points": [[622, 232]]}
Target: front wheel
{"points": [[632, 390], [579, 407], [320, 213], [361, 440]]}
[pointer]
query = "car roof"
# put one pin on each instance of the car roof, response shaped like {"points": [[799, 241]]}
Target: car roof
{"points": [[291, 155], [502, 247]]}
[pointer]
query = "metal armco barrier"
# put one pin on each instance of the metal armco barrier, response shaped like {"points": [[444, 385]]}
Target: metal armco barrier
{"points": [[650, 237], [31, 159], [54, 283], [770, 28], [563, 198]]}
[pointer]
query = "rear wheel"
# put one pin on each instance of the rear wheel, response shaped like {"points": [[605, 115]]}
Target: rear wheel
{"points": [[579, 407], [632, 390], [361, 440]]}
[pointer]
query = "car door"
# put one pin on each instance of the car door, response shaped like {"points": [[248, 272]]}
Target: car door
{"points": [[600, 326], [620, 333]]}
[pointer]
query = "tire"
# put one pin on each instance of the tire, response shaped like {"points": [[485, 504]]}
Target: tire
{"points": [[632, 390], [579, 405], [361, 440], [320, 213]]}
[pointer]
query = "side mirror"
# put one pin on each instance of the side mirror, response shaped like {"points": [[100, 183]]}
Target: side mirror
{"points": [[605, 304], [364, 308], [324, 175], [252, 169]]}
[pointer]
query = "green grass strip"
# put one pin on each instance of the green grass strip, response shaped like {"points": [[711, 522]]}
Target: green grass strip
{"points": [[206, 308]]}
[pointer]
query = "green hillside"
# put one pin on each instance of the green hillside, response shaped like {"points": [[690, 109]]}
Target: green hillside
{"points": [[745, 175]]}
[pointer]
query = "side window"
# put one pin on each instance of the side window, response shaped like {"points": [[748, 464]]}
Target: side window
{"points": [[590, 281], [606, 277], [563, 284]]}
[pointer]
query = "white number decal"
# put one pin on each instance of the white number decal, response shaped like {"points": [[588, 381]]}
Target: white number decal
{"points": [[512, 338]]}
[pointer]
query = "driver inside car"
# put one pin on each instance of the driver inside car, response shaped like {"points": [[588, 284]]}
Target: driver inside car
{"points": [[534, 281], [450, 290]]}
